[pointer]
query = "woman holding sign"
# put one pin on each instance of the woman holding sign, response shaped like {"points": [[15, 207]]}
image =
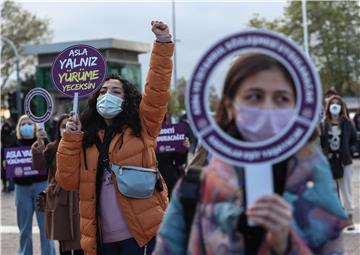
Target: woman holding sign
{"points": [[62, 219], [115, 139], [258, 101], [28, 186]]}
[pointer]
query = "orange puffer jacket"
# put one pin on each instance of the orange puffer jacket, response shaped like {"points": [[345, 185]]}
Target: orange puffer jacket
{"points": [[143, 216]]}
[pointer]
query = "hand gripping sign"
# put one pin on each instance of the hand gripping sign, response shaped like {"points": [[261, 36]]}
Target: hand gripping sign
{"points": [[256, 157], [50, 106], [78, 71]]}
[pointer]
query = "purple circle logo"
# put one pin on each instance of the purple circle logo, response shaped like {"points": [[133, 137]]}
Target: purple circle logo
{"points": [[78, 69], [298, 130], [18, 171], [49, 101]]}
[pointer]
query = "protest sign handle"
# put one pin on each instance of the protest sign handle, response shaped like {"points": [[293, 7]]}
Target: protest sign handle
{"points": [[41, 125], [76, 102], [258, 182]]}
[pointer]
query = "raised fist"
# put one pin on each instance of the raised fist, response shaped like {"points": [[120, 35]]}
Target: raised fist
{"points": [[161, 31]]}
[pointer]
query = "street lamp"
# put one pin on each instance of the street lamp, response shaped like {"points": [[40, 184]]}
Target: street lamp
{"points": [[18, 89], [305, 26], [174, 33]]}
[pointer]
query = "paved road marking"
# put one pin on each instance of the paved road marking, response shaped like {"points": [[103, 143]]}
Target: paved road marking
{"points": [[356, 231], [35, 230], [15, 230]]}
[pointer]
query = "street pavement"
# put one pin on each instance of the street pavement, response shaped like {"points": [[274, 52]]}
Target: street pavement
{"points": [[10, 234]]}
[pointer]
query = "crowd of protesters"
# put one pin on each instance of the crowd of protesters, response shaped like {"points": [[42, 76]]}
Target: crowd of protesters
{"points": [[94, 200]]}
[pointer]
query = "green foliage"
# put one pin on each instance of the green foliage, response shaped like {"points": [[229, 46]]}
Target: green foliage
{"points": [[21, 27], [334, 39], [213, 99], [176, 106]]}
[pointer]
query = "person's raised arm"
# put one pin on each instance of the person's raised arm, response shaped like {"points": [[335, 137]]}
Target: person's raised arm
{"points": [[156, 95]]}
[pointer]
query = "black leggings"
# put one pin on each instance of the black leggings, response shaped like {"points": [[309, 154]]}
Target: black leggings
{"points": [[125, 247], [72, 252]]}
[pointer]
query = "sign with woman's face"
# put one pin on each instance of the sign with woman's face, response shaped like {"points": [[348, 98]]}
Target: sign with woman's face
{"points": [[269, 94]]}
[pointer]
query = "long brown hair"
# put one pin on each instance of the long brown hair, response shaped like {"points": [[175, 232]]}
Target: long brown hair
{"points": [[343, 113], [244, 67]]}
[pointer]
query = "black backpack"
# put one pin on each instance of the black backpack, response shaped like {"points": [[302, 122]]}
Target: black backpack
{"points": [[189, 193], [190, 187]]}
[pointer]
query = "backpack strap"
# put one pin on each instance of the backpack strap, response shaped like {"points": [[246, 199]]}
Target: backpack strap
{"points": [[189, 196], [103, 148]]}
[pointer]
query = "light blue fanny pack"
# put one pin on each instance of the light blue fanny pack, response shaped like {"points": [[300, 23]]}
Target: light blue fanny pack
{"points": [[135, 182]]}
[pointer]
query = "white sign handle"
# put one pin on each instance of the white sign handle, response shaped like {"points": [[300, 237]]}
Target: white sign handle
{"points": [[76, 102], [258, 182], [41, 125]]}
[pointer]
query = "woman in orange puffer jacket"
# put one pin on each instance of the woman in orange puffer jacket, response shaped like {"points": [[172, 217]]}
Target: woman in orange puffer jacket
{"points": [[111, 223]]}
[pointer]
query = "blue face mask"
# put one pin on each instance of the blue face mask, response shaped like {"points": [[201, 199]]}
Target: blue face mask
{"points": [[27, 131], [108, 105]]}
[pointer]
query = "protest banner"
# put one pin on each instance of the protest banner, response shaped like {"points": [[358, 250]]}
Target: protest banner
{"points": [[171, 138], [19, 162], [78, 71], [49, 106]]}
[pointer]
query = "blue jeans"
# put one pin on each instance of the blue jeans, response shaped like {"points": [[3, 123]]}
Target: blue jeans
{"points": [[25, 196], [11, 186], [128, 246]]}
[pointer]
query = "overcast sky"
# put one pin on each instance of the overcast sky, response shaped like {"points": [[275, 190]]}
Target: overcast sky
{"points": [[199, 24]]}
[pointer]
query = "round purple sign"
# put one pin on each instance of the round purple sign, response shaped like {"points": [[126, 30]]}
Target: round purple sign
{"points": [[296, 133], [78, 69], [50, 105]]}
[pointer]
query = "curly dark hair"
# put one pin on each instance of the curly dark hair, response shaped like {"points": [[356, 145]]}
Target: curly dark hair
{"points": [[129, 117]]}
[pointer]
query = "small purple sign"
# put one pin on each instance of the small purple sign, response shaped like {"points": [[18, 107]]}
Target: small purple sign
{"points": [[78, 69], [171, 138], [18, 163], [298, 131], [50, 105]]}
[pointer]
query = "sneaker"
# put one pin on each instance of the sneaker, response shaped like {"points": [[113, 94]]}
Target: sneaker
{"points": [[352, 226]]}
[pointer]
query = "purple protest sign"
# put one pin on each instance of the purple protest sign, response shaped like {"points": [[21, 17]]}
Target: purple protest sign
{"points": [[49, 102], [298, 130], [171, 138], [18, 163], [78, 69]]}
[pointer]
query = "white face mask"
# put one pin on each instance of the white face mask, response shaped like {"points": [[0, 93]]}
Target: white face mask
{"points": [[108, 105], [257, 125], [335, 109]]}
